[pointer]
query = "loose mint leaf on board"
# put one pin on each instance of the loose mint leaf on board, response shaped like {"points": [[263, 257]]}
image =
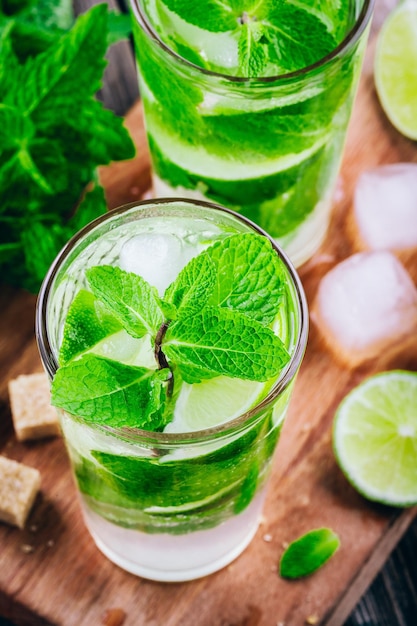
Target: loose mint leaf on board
{"points": [[87, 322], [107, 392], [129, 297], [221, 341], [252, 49], [305, 555], [210, 15], [193, 286], [297, 37], [249, 276]]}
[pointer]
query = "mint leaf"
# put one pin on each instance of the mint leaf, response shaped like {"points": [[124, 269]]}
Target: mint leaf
{"points": [[105, 135], [91, 206], [193, 286], [252, 49], [297, 37], [249, 276], [212, 15], [53, 81], [120, 27], [106, 392], [221, 341], [14, 128], [129, 297], [87, 323], [305, 555]]}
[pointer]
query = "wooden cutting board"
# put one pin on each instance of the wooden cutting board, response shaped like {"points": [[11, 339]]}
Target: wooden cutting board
{"points": [[52, 573]]}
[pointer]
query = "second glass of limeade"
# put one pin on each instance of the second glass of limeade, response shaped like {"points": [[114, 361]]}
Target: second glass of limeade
{"points": [[247, 103], [172, 332]]}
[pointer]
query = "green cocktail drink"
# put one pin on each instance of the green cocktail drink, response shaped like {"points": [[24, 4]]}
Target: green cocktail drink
{"points": [[247, 103], [172, 332]]}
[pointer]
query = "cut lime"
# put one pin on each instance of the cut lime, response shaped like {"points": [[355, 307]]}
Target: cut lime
{"points": [[396, 68], [213, 402], [375, 438]]}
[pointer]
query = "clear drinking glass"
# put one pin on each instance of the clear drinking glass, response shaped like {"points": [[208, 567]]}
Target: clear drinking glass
{"points": [[269, 148], [170, 505]]}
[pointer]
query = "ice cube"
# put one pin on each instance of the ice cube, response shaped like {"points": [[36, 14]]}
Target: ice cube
{"points": [[366, 306], [157, 257], [385, 207]]}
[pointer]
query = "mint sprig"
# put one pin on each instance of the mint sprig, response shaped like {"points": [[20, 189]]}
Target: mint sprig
{"points": [[214, 319], [222, 341], [54, 132], [276, 34]]}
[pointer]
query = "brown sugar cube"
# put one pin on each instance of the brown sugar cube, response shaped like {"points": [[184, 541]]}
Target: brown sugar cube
{"points": [[19, 485], [32, 413]]}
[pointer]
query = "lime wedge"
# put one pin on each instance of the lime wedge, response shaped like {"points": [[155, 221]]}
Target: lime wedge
{"points": [[375, 438], [396, 68], [213, 402]]}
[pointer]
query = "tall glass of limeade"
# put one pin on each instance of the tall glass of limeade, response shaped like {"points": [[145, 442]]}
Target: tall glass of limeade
{"points": [[247, 103], [183, 499]]}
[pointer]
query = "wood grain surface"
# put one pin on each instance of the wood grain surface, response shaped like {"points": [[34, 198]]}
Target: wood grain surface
{"points": [[51, 572]]}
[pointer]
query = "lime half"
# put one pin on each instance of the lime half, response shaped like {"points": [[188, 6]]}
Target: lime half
{"points": [[375, 438], [396, 68]]}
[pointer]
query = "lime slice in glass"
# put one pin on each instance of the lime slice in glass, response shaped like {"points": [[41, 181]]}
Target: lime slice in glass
{"points": [[213, 402], [396, 68], [375, 438]]}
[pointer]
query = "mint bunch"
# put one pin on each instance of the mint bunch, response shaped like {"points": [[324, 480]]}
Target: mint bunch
{"points": [[287, 35], [214, 319], [54, 133]]}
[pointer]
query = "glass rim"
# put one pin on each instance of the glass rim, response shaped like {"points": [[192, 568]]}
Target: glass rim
{"points": [[348, 41], [49, 358]]}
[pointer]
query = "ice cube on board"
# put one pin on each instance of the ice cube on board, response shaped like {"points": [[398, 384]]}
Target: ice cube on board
{"points": [[157, 257], [366, 306], [385, 207]]}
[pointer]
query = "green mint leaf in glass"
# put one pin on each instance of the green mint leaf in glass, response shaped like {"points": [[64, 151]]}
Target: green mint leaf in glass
{"points": [[193, 286], [87, 323], [249, 276], [297, 37], [110, 393], [305, 555], [210, 15], [252, 50], [129, 297], [224, 342]]}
